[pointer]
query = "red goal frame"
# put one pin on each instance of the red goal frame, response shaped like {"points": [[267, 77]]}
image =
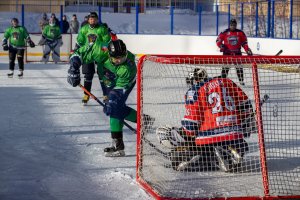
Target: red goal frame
{"points": [[212, 59]]}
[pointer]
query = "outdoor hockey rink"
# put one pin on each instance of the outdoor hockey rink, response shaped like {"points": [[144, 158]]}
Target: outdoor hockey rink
{"points": [[52, 147]]}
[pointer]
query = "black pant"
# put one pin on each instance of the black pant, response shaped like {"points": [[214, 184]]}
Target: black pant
{"points": [[239, 70], [88, 70], [13, 52]]}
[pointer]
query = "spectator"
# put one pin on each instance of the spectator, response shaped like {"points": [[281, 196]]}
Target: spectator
{"points": [[43, 22], [74, 25], [86, 18], [55, 18], [65, 25]]}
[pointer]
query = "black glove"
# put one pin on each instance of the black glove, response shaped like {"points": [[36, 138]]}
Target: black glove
{"points": [[73, 77], [249, 52], [222, 48], [31, 44], [115, 98], [4, 45]]}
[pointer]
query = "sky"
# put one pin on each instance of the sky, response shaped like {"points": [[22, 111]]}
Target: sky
{"points": [[51, 146]]}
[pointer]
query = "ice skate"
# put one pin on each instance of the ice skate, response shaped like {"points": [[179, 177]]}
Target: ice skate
{"points": [[20, 74], [222, 163], [116, 150], [85, 99], [10, 74]]}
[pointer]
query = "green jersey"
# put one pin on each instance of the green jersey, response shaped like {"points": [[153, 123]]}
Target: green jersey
{"points": [[88, 35], [121, 76], [52, 32], [92, 53], [16, 36]]}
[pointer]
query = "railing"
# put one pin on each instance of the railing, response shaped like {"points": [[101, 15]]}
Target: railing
{"points": [[271, 19]]}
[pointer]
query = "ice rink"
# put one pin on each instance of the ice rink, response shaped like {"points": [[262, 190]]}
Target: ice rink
{"points": [[52, 147]]}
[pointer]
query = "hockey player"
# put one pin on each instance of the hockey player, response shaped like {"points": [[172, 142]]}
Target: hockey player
{"points": [[118, 73], [89, 33], [15, 38], [52, 39], [218, 115], [230, 42]]}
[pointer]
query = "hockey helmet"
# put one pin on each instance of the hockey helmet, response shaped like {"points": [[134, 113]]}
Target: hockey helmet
{"points": [[117, 52], [233, 22], [93, 15], [200, 74]]}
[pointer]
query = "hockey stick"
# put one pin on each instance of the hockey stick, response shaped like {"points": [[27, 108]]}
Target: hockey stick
{"points": [[102, 104], [277, 54]]}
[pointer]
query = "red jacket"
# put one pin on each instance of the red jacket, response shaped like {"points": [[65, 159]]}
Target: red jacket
{"points": [[232, 41]]}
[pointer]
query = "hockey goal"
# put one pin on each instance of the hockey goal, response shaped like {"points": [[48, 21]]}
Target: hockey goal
{"points": [[35, 54], [269, 167]]}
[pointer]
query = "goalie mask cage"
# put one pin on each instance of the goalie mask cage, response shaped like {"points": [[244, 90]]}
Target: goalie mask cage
{"points": [[35, 54], [270, 167]]}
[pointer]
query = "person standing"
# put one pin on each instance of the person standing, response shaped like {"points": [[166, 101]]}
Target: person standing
{"points": [[85, 21], [230, 42], [51, 38], [74, 25], [88, 35], [43, 22], [65, 25], [15, 38]]}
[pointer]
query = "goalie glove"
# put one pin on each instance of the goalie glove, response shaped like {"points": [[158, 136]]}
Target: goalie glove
{"points": [[169, 137]]}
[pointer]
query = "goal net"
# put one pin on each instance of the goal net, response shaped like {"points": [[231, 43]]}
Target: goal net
{"points": [[211, 137], [35, 54]]}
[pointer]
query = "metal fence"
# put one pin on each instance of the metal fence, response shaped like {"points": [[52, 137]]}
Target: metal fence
{"points": [[274, 19]]}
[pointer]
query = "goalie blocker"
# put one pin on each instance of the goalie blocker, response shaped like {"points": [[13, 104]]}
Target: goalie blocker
{"points": [[218, 117]]}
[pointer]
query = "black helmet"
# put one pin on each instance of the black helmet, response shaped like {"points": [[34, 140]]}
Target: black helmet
{"points": [[117, 49], [93, 15], [233, 22]]}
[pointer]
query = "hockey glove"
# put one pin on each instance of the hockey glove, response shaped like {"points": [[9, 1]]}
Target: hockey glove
{"points": [[249, 52], [73, 77], [31, 44], [114, 100], [4, 45], [222, 48]]}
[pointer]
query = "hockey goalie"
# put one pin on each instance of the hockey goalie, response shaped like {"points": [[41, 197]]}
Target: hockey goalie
{"points": [[218, 117]]}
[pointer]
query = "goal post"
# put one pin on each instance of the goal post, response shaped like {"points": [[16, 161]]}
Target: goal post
{"points": [[224, 159], [35, 54]]}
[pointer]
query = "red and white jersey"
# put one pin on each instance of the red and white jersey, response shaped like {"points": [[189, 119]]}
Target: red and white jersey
{"points": [[212, 108], [232, 41]]}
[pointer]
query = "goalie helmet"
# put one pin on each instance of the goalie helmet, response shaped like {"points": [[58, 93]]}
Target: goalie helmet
{"points": [[197, 75]]}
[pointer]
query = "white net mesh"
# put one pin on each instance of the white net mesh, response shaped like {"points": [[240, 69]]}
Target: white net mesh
{"points": [[221, 154]]}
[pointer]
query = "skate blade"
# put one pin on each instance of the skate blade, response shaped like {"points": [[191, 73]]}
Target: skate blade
{"points": [[182, 166], [120, 153], [235, 156], [10, 76], [222, 164]]}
